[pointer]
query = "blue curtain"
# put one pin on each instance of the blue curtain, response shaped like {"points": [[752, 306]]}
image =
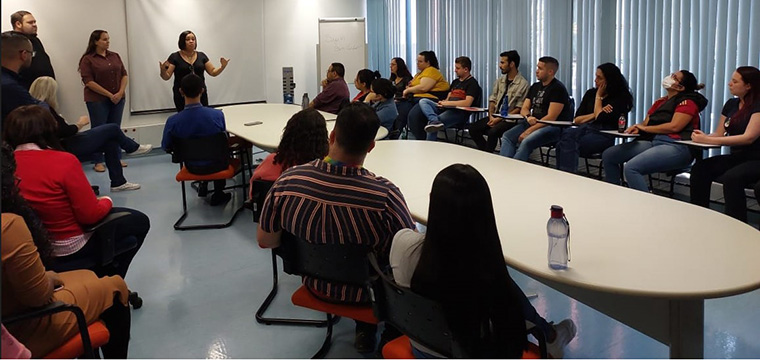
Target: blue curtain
{"points": [[647, 39]]}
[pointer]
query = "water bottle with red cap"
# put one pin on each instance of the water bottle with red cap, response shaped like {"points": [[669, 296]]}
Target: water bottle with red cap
{"points": [[558, 229]]}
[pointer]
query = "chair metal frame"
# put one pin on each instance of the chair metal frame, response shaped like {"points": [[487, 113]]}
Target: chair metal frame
{"points": [[54, 308], [342, 263], [179, 157], [435, 334]]}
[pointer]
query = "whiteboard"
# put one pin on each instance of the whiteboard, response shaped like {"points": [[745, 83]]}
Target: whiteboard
{"points": [[233, 29], [342, 40]]}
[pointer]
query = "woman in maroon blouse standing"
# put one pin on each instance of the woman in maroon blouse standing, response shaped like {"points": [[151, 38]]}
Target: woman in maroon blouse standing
{"points": [[105, 80]]}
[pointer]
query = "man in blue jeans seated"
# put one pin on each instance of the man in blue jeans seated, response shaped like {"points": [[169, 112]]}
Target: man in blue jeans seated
{"points": [[465, 91], [195, 120], [547, 99]]}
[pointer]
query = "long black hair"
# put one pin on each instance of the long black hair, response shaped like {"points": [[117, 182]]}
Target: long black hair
{"points": [[462, 267], [366, 76], [430, 57], [12, 202], [402, 70], [617, 85], [304, 139]]}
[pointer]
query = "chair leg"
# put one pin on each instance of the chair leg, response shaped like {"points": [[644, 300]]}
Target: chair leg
{"points": [[328, 340], [268, 301], [184, 208], [178, 224]]}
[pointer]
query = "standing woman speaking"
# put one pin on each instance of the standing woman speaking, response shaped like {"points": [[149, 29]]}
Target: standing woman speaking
{"points": [[187, 61], [105, 80]]}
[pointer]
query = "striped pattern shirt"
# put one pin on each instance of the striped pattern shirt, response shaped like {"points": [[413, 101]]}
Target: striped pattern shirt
{"points": [[328, 204]]}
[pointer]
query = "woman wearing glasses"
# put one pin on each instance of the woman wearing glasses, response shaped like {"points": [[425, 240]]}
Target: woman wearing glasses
{"points": [[739, 128], [671, 118], [186, 61]]}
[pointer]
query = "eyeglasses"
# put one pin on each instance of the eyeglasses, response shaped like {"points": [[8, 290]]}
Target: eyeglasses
{"points": [[28, 51]]}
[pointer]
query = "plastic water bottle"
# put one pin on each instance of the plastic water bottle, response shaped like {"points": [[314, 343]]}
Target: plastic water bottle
{"points": [[305, 101], [622, 123], [558, 229]]}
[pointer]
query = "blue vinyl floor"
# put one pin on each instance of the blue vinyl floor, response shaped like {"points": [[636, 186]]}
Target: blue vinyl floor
{"points": [[202, 288]]}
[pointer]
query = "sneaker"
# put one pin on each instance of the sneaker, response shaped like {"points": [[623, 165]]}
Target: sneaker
{"points": [[434, 127], [565, 333], [143, 149], [99, 167], [126, 187]]}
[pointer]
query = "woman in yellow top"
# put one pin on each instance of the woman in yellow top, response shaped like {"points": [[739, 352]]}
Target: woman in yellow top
{"points": [[428, 83]]}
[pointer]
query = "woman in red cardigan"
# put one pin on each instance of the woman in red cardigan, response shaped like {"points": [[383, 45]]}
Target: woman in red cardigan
{"points": [[54, 184]]}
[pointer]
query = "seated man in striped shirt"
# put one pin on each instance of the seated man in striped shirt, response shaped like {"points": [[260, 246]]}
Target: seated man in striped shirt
{"points": [[336, 196]]}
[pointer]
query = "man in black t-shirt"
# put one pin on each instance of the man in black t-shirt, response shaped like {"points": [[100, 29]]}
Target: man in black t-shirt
{"points": [[432, 117], [25, 23], [547, 100]]}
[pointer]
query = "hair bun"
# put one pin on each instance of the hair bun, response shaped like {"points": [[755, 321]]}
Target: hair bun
{"points": [[700, 86]]}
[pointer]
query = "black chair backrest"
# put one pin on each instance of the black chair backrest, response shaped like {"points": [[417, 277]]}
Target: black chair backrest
{"points": [[212, 148], [260, 189], [341, 263], [416, 316]]}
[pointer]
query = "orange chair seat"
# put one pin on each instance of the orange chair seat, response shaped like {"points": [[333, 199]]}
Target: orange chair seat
{"points": [[74, 348], [185, 175], [401, 348], [302, 297]]}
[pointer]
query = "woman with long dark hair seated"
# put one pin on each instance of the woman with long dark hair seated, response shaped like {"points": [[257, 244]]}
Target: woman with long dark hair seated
{"points": [[459, 263], [53, 183], [304, 139], [600, 109], [26, 284], [739, 128], [671, 118]]}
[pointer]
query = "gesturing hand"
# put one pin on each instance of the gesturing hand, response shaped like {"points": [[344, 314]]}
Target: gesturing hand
{"points": [[224, 62]]}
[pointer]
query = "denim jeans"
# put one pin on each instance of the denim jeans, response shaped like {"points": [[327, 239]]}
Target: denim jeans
{"points": [[104, 112], [492, 134], [541, 137], [644, 157], [428, 111], [583, 140], [108, 139]]}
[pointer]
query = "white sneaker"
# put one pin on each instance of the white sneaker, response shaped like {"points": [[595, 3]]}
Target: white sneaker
{"points": [[434, 127], [143, 149], [565, 333], [126, 187]]}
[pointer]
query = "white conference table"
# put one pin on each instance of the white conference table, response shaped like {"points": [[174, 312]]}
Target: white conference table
{"points": [[273, 119], [645, 260]]}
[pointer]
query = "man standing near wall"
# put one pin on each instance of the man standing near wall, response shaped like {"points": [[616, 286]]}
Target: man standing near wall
{"points": [[25, 23]]}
